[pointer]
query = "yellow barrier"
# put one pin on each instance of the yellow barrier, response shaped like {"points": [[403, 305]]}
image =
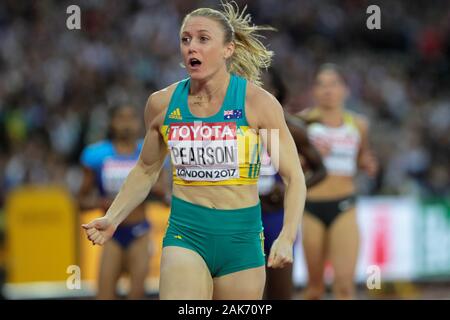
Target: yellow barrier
{"points": [[40, 234], [44, 237], [157, 214]]}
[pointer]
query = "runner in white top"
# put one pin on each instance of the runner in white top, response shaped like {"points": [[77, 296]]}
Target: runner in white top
{"points": [[329, 224]]}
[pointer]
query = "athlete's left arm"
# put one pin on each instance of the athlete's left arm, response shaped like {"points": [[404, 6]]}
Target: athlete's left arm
{"points": [[268, 115], [366, 158]]}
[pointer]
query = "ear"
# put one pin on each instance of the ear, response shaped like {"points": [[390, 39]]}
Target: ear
{"points": [[228, 50]]}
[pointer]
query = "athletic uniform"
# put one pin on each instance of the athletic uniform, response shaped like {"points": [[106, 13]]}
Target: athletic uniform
{"points": [[211, 151], [344, 144], [111, 169]]}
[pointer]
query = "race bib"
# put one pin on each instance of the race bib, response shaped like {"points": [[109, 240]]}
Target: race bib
{"points": [[114, 174], [342, 146], [204, 151]]}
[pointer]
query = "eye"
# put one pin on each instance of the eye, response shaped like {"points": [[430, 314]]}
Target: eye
{"points": [[185, 40], [204, 38]]}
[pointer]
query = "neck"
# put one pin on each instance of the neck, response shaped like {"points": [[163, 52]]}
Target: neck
{"points": [[332, 116], [125, 145], [214, 86]]}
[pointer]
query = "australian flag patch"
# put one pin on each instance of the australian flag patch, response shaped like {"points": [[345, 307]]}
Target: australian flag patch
{"points": [[232, 114]]}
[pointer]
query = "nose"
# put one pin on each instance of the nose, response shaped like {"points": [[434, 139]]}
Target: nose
{"points": [[192, 48]]}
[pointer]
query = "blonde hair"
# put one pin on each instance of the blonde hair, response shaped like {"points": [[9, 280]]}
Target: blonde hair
{"points": [[250, 54]]}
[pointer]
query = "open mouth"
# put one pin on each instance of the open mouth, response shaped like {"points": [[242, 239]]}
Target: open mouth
{"points": [[194, 62]]}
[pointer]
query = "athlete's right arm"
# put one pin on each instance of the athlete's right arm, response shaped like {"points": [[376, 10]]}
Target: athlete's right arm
{"points": [[140, 179], [146, 171]]}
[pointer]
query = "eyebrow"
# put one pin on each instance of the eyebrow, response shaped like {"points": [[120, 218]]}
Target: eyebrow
{"points": [[201, 30]]}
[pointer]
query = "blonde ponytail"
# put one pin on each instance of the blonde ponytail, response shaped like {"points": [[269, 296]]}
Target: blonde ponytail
{"points": [[250, 54]]}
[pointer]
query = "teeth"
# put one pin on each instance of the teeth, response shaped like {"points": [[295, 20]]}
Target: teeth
{"points": [[194, 61]]}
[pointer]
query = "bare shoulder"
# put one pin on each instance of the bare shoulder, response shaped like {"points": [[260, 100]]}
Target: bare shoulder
{"points": [[305, 112], [157, 104], [261, 105], [309, 115], [257, 96]]}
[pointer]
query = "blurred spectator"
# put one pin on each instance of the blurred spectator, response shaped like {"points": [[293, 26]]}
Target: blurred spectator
{"points": [[56, 84]]}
